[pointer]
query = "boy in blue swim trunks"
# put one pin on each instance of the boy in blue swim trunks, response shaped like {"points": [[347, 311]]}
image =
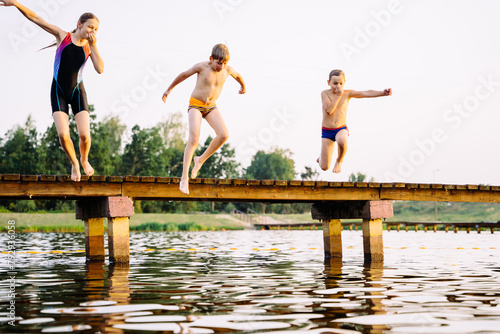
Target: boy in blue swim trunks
{"points": [[334, 129]]}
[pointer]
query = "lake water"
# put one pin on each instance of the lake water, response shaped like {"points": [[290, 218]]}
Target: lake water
{"points": [[254, 282]]}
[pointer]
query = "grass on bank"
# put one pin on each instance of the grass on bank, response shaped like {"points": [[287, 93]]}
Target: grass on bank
{"points": [[403, 211]]}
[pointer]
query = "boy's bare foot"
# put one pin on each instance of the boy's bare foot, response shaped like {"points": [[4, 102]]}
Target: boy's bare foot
{"points": [[338, 167], [184, 186], [87, 168], [75, 173], [196, 168]]}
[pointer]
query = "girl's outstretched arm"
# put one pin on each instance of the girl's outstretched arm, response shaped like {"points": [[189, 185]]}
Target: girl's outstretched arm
{"points": [[33, 17]]}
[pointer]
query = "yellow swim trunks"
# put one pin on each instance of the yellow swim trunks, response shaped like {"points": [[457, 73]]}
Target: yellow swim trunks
{"points": [[204, 108]]}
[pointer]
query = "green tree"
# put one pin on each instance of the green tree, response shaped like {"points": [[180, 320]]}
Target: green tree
{"points": [[106, 150], [274, 165], [222, 164], [144, 155], [173, 131], [53, 159], [19, 155], [359, 177], [309, 174]]}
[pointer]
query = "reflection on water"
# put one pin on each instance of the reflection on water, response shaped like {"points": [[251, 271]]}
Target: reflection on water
{"points": [[256, 282]]}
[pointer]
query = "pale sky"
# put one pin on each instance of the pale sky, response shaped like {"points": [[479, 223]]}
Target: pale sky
{"points": [[439, 57]]}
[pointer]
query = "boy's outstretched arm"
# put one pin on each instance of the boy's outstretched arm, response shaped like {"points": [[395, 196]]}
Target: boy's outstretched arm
{"points": [[33, 17], [238, 78], [370, 93], [180, 78]]}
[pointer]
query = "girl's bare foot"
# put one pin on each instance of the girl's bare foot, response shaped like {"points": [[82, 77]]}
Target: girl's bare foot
{"points": [[196, 168], [184, 186], [87, 168], [75, 173], [338, 167]]}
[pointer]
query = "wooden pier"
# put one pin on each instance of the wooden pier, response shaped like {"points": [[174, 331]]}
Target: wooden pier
{"points": [[112, 197]]}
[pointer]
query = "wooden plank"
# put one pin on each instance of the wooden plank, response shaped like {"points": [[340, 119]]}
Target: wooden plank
{"points": [[484, 188], [439, 195], [84, 178], [239, 182], [399, 185], [47, 178], [195, 181], [308, 183], [114, 179], [495, 188], [281, 182], [148, 179], [63, 178], [321, 184], [267, 182], [61, 190], [209, 181], [436, 186], [12, 177], [224, 181], [348, 184], [374, 184], [335, 184], [247, 193], [412, 185], [31, 178], [295, 183], [253, 182], [472, 187], [361, 184], [162, 179], [98, 178], [387, 185], [449, 186], [176, 180], [132, 178], [424, 186], [461, 187]]}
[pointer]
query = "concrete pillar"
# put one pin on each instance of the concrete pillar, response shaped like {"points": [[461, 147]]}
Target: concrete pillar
{"points": [[118, 211], [118, 240], [373, 243], [332, 240], [94, 239], [372, 212]]}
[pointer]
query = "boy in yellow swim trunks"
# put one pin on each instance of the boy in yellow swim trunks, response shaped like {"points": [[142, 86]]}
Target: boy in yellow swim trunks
{"points": [[211, 76]]}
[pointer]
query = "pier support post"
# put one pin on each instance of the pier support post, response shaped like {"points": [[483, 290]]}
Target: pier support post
{"points": [[372, 212], [332, 240], [118, 211], [94, 239]]}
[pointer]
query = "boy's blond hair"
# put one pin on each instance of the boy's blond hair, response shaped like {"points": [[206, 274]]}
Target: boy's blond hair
{"points": [[336, 73], [220, 52]]}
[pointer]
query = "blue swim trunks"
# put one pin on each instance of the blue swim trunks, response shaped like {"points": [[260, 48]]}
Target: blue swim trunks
{"points": [[331, 133]]}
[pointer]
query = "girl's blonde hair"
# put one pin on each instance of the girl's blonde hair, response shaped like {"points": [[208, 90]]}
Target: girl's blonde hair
{"points": [[83, 18]]}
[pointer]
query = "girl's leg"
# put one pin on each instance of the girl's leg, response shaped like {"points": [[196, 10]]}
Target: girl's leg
{"points": [[61, 120], [341, 139], [221, 135], [192, 142], [327, 146], [83, 125]]}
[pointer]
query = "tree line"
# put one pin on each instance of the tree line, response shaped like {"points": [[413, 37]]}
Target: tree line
{"points": [[154, 151]]}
